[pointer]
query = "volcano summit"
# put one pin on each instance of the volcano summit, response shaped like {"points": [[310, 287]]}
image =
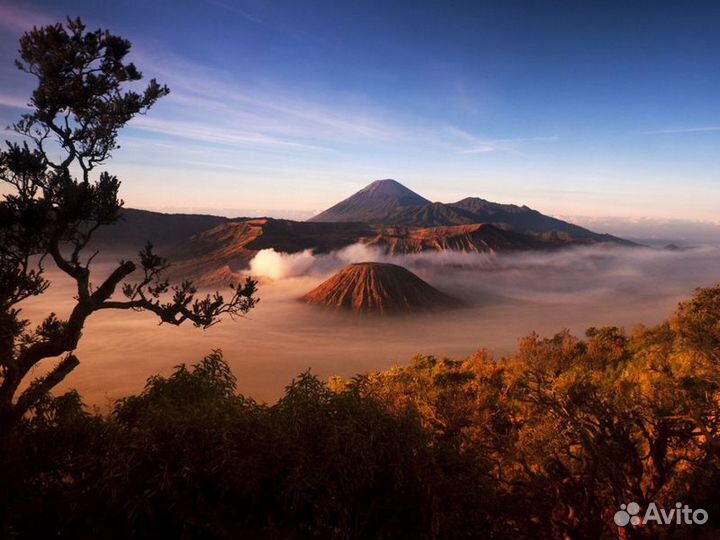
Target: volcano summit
{"points": [[379, 288]]}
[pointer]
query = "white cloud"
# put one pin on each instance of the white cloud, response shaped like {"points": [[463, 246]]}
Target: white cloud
{"points": [[669, 131], [276, 265], [482, 149]]}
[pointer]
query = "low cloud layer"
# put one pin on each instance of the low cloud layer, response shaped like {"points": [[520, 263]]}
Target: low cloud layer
{"points": [[509, 296], [571, 273]]}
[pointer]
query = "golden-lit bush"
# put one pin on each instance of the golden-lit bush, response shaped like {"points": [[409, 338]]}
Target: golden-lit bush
{"points": [[543, 444]]}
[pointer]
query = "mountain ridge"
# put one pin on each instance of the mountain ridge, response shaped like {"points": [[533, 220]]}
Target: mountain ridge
{"points": [[213, 248], [391, 210], [231, 246]]}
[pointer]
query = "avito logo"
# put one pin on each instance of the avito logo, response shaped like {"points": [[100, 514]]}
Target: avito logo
{"points": [[629, 514]]}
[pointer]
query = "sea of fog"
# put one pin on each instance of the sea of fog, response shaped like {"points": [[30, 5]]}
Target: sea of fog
{"points": [[508, 297]]}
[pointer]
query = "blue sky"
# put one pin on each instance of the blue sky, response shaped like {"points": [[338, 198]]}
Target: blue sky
{"points": [[284, 107]]}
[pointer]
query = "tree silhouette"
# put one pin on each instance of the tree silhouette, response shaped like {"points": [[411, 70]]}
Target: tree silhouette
{"points": [[53, 205]]}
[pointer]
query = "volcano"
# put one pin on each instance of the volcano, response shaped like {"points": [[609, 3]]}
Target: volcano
{"points": [[374, 203], [389, 203], [379, 288]]}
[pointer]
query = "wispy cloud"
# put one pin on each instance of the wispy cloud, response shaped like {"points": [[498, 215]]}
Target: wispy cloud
{"points": [[697, 129], [19, 19], [204, 133], [214, 103], [13, 101], [483, 149], [478, 145], [234, 8], [209, 105]]}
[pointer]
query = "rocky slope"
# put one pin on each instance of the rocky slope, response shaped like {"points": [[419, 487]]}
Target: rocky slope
{"points": [[213, 256], [379, 288], [217, 254], [479, 238]]}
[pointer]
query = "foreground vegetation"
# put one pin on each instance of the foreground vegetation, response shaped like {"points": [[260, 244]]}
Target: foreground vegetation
{"points": [[544, 444]]}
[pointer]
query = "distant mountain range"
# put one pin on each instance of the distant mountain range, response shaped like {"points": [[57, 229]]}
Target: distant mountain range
{"points": [[387, 202], [385, 215], [137, 227]]}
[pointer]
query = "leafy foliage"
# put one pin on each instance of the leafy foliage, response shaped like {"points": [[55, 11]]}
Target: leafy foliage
{"points": [[544, 444]]}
